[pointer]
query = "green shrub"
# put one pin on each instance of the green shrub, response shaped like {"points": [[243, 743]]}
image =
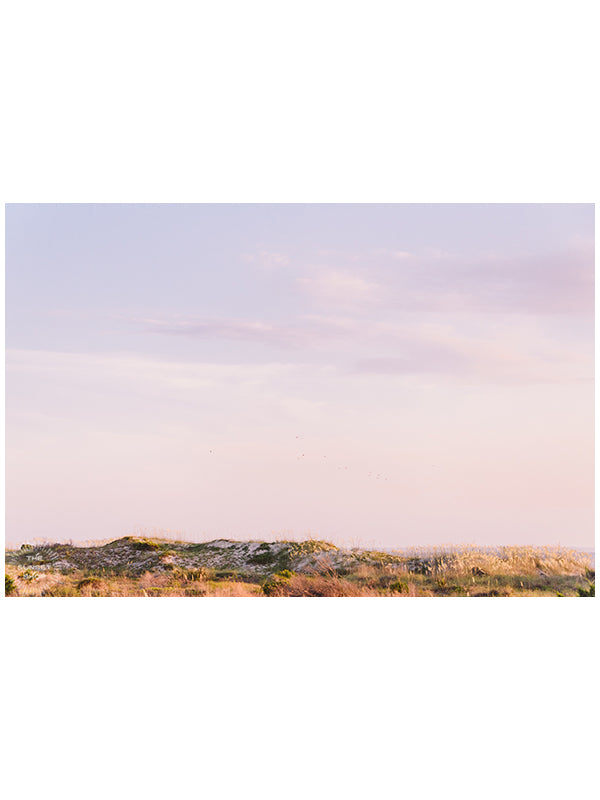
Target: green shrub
{"points": [[9, 585], [401, 587], [460, 590], [193, 574], [275, 583], [226, 575], [590, 592], [261, 558], [146, 545]]}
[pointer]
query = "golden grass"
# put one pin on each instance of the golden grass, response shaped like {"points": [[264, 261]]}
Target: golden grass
{"points": [[461, 570], [465, 560]]}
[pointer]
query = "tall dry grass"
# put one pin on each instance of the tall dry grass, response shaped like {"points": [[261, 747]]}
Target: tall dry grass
{"points": [[465, 560], [440, 571]]}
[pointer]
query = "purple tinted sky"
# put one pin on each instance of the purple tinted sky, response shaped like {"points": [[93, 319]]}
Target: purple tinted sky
{"points": [[370, 374]]}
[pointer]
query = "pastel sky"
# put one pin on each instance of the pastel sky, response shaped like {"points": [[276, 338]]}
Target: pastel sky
{"points": [[375, 375]]}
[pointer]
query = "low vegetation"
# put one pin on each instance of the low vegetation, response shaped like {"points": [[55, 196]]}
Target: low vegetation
{"points": [[143, 567]]}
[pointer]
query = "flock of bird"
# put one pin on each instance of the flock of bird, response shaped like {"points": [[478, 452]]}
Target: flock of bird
{"points": [[378, 476], [340, 467]]}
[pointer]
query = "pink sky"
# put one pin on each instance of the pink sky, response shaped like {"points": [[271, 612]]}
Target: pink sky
{"points": [[370, 375]]}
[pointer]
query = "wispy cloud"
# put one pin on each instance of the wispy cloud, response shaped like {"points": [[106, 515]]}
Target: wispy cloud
{"points": [[340, 289], [554, 283], [304, 332], [268, 259], [397, 255], [436, 349], [435, 280], [482, 348], [132, 368]]}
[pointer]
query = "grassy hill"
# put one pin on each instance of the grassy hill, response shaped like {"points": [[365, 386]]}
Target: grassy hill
{"points": [[134, 566]]}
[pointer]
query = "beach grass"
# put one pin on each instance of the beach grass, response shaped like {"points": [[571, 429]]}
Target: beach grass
{"points": [[145, 567]]}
